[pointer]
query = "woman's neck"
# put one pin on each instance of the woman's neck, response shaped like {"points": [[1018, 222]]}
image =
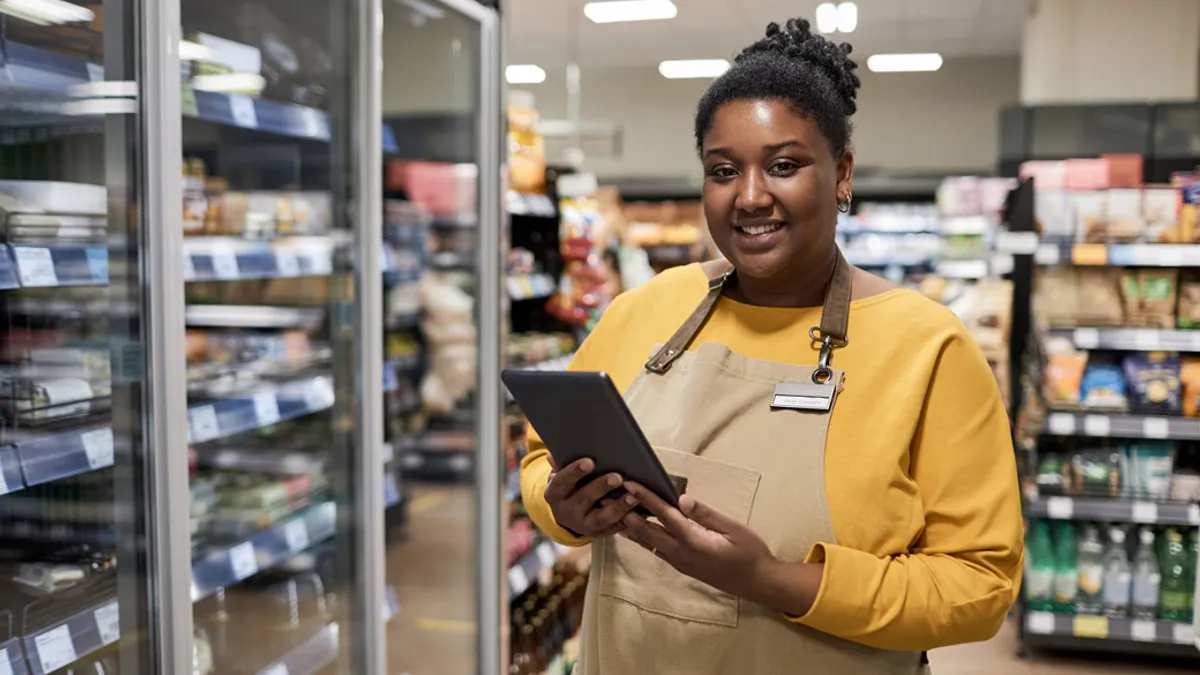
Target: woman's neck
{"points": [[804, 287]]}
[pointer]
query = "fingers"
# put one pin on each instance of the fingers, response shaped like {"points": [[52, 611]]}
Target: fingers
{"points": [[610, 513], [669, 516], [652, 536], [564, 481], [587, 496], [707, 516], [554, 467]]}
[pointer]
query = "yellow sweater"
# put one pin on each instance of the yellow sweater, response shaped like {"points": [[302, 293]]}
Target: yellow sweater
{"points": [[919, 466]]}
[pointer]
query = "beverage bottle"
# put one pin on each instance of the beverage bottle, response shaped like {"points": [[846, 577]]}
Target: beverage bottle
{"points": [[1090, 563], [1039, 585], [1175, 596], [1146, 577], [1117, 576], [1066, 575]]}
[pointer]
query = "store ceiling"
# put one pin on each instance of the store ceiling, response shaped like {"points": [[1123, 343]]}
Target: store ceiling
{"points": [[550, 33]]}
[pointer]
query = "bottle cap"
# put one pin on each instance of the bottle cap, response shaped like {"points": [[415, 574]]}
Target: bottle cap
{"points": [[1117, 536], [1146, 535]]}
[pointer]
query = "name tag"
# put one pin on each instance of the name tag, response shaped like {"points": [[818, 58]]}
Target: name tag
{"points": [[815, 397]]}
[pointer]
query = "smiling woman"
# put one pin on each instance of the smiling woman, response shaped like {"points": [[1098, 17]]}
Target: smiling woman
{"points": [[851, 495]]}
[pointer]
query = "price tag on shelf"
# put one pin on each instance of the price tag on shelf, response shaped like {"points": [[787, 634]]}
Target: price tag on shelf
{"points": [[315, 124], [1193, 514], [518, 582], [1018, 243], [1096, 425], [1156, 427], [1047, 254], [98, 444], [321, 262], [1061, 424], [202, 422], [35, 266], [1183, 633], [1169, 256], [1146, 339], [277, 669], [1143, 630], [97, 258], [108, 620], [95, 72], [1145, 512], [1040, 623], [189, 267], [266, 408], [242, 108], [55, 648], [1090, 626], [318, 394], [1087, 338], [546, 555], [5, 663], [244, 560], [296, 533], [1089, 254], [3, 486], [1060, 508], [225, 264], [287, 264]]}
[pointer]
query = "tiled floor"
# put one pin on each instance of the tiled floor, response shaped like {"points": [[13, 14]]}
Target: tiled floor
{"points": [[434, 632]]}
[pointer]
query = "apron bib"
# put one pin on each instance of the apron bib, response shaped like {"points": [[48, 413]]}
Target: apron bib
{"points": [[749, 436]]}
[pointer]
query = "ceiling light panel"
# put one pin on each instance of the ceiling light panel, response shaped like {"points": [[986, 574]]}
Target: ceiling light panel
{"points": [[524, 74], [614, 11], [827, 17], [847, 17], [695, 68], [904, 63]]}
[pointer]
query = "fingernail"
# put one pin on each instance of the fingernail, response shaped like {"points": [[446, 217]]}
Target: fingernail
{"points": [[630, 500], [587, 466], [614, 481]]}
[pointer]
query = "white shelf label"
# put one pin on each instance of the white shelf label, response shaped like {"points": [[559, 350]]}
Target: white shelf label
{"points": [[1194, 514], [1020, 243], [321, 262], [55, 648], [1061, 424], [1096, 425], [95, 72], [277, 669], [1146, 339], [546, 555], [35, 266], [1156, 427], [3, 489], [1143, 630], [1046, 254], [315, 124], [202, 422], [5, 663], [518, 582], [1040, 623], [1087, 338], [287, 264], [1183, 633], [318, 394], [225, 264], [1145, 512], [1060, 508], [296, 533], [189, 267], [108, 620], [98, 444], [244, 560], [243, 111], [266, 408], [1169, 256]]}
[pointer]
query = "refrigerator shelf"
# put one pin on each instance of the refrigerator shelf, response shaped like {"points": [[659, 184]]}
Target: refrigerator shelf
{"points": [[1102, 425], [1114, 510], [226, 259], [252, 316], [1042, 625], [53, 266], [1134, 339], [258, 409], [75, 638], [60, 455], [12, 657], [310, 656], [229, 565]]}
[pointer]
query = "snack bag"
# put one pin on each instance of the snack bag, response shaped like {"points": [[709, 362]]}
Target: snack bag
{"points": [[1189, 378], [1154, 383], [1103, 387]]}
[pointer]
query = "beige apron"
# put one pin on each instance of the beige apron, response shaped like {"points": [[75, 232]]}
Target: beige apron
{"points": [[717, 419]]}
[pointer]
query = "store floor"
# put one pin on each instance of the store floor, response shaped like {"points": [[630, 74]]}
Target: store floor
{"points": [[434, 632]]}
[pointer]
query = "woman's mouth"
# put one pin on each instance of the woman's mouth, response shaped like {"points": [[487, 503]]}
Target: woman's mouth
{"points": [[759, 230]]}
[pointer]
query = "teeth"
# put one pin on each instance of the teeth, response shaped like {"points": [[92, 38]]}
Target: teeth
{"points": [[760, 229]]}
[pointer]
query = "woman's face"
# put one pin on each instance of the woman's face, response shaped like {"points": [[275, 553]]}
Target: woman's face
{"points": [[771, 189]]}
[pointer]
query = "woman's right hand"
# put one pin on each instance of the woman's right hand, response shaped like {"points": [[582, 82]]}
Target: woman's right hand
{"points": [[586, 510]]}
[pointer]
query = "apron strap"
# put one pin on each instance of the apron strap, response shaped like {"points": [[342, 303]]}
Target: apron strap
{"points": [[835, 317]]}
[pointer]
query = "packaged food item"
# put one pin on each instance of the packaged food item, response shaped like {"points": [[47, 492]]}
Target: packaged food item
{"points": [[1099, 298], [1154, 383], [1189, 379], [1188, 307], [526, 147], [1125, 222], [1157, 298], [1103, 387], [1057, 297], [1054, 476], [1063, 374], [1089, 210], [1098, 472], [1150, 464], [1160, 211]]}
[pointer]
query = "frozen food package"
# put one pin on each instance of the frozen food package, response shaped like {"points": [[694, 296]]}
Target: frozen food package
{"points": [[1154, 386], [1103, 387]]}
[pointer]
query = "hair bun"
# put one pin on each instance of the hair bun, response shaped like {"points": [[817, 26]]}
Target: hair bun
{"points": [[797, 42]]}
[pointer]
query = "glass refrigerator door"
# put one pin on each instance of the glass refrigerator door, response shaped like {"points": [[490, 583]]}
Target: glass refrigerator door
{"points": [[442, 318], [86, 580], [277, 269]]}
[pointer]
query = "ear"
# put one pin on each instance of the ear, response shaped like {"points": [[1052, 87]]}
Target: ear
{"points": [[845, 173]]}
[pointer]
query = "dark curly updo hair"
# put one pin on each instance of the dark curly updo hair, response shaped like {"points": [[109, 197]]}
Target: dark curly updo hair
{"points": [[791, 64]]}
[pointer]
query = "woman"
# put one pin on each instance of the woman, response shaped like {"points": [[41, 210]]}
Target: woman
{"points": [[851, 495]]}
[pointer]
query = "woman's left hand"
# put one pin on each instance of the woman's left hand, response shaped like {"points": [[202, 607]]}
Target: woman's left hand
{"points": [[702, 543]]}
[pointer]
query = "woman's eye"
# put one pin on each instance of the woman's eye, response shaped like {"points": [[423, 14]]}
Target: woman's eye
{"points": [[723, 172], [784, 167]]}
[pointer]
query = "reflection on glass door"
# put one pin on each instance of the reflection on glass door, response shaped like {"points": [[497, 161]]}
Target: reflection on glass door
{"points": [[441, 316], [76, 438], [271, 268]]}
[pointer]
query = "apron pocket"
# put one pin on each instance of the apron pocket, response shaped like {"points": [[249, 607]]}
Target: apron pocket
{"points": [[630, 573]]}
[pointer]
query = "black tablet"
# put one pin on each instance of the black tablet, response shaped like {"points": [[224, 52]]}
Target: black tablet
{"points": [[581, 414]]}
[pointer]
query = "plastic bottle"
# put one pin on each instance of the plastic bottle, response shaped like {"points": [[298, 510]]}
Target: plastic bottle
{"points": [[1146, 577], [1039, 585], [1090, 563], [1175, 596], [1066, 575], [1117, 576]]}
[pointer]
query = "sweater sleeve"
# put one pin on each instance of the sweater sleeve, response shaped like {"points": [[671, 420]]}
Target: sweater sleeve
{"points": [[593, 355], [959, 579]]}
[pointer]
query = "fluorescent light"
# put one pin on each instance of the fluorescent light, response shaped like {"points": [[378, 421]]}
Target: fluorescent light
{"points": [[903, 63], [847, 17], [678, 70], [524, 74], [612, 11], [46, 12], [827, 17]]}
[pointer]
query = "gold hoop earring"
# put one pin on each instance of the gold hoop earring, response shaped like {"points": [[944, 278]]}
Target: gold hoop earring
{"points": [[844, 205]]}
